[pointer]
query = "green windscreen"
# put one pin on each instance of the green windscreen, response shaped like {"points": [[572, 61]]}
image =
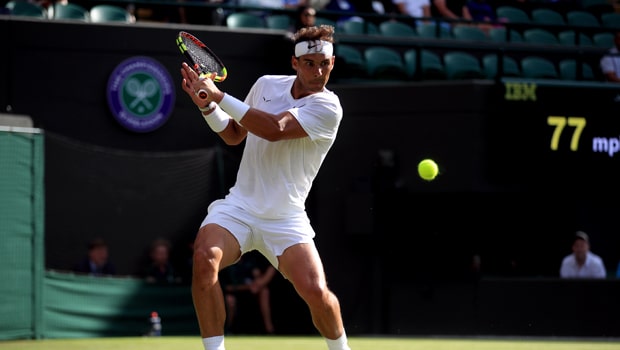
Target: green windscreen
{"points": [[21, 231]]}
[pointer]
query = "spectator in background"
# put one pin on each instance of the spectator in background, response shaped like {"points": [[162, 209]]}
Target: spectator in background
{"points": [[414, 8], [293, 4], [380, 7], [160, 270], [582, 263], [453, 10], [482, 12], [305, 17], [97, 261], [344, 7], [250, 276], [610, 63]]}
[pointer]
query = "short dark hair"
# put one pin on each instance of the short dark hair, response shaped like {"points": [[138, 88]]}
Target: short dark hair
{"points": [[323, 32], [582, 236]]}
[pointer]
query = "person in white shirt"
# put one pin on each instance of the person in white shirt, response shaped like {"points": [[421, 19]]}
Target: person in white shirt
{"points": [[289, 123], [582, 263], [610, 63], [414, 8]]}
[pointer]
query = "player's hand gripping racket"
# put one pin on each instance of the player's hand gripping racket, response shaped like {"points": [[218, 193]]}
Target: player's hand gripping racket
{"points": [[202, 59]]}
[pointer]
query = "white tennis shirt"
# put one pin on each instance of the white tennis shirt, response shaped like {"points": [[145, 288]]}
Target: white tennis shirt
{"points": [[592, 268], [611, 63], [274, 178]]}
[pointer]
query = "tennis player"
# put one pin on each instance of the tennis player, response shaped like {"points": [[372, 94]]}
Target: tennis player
{"points": [[289, 123]]}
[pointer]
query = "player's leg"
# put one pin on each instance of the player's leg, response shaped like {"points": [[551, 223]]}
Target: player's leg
{"points": [[302, 266], [214, 249]]}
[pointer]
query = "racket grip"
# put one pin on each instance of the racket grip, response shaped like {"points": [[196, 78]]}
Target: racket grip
{"points": [[202, 94]]}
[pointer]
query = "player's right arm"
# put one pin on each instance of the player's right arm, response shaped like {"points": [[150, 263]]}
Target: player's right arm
{"points": [[271, 127]]}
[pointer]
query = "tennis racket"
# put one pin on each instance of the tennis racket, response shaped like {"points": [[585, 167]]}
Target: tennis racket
{"points": [[202, 59]]}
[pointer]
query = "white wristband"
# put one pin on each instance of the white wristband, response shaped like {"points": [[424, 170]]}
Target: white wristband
{"points": [[218, 119], [234, 107]]}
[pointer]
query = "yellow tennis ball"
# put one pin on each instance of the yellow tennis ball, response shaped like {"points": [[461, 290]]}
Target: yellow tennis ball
{"points": [[428, 169]]}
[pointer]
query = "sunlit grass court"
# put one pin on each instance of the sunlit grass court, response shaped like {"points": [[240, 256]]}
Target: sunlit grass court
{"points": [[308, 343]]}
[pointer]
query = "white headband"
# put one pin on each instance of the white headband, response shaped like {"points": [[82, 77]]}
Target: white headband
{"points": [[314, 46]]}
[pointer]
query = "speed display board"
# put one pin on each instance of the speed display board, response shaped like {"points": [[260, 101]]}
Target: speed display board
{"points": [[555, 135]]}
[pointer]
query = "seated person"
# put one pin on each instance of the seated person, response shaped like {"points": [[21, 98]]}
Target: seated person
{"points": [[453, 10], [483, 13], [96, 262], [250, 276], [610, 63], [582, 263], [160, 269]]}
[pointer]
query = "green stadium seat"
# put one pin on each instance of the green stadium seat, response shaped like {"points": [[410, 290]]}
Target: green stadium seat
{"points": [[512, 14], [547, 16], [26, 9], [278, 21], [359, 27], [500, 34], [352, 60], [582, 19], [432, 30], [538, 68], [431, 66], [540, 36], [395, 28], [568, 70], [611, 20], [110, 13], [569, 38], [70, 11], [603, 39], [384, 63], [462, 65], [490, 66], [245, 20], [469, 33]]}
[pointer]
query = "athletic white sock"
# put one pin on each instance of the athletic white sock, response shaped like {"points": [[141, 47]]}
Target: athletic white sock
{"points": [[338, 344], [214, 343]]}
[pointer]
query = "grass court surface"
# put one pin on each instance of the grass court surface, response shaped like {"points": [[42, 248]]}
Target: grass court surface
{"points": [[309, 343]]}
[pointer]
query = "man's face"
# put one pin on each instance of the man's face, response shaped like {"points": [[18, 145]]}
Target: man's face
{"points": [[313, 71], [580, 249], [99, 255], [308, 17], [160, 254]]}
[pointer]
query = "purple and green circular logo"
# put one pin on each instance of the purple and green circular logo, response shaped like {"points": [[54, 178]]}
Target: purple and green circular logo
{"points": [[140, 94]]}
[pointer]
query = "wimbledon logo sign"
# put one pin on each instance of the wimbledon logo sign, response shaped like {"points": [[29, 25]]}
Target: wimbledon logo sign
{"points": [[140, 94]]}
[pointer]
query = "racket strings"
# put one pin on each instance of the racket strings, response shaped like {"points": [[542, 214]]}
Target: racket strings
{"points": [[205, 62]]}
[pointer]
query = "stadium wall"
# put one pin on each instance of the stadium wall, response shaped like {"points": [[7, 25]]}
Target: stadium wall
{"points": [[397, 249]]}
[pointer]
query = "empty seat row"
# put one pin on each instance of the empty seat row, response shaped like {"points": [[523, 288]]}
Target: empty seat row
{"points": [[280, 21], [385, 63], [545, 16], [69, 11], [533, 35], [542, 36]]}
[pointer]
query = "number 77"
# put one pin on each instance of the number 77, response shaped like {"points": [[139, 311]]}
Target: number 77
{"points": [[579, 123]]}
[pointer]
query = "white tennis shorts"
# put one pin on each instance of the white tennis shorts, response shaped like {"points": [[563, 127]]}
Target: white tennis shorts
{"points": [[269, 236]]}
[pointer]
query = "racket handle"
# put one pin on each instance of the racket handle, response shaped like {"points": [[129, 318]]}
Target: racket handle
{"points": [[202, 94]]}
